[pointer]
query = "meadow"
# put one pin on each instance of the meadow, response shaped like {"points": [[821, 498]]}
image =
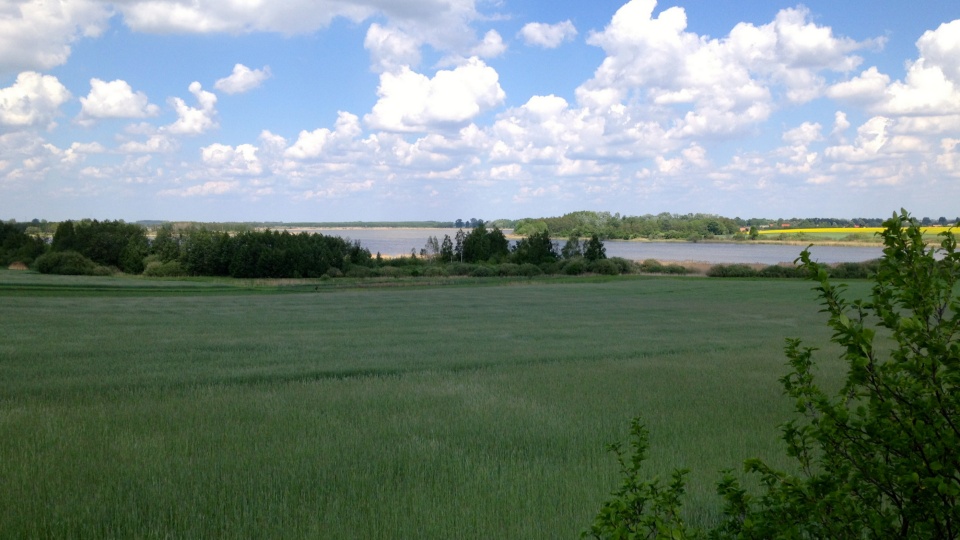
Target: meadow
{"points": [[444, 409]]}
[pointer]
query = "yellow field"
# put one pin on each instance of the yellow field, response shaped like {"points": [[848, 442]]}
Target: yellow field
{"points": [[850, 230]]}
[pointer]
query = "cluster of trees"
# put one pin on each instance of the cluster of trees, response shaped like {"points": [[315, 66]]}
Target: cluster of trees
{"points": [[90, 246], [679, 226], [481, 245], [16, 245]]}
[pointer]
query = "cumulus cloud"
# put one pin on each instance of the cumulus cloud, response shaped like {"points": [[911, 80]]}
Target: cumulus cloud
{"points": [[37, 34], [931, 87], [32, 100], [323, 141], [548, 36], [114, 99], [442, 23], [391, 48], [194, 120], [719, 86], [243, 79], [154, 144], [871, 139], [217, 187], [411, 102], [491, 46], [225, 160]]}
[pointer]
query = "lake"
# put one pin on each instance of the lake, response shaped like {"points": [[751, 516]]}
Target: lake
{"points": [[401, 241]]}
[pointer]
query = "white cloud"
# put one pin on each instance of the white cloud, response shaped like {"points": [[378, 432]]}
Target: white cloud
{"points": [[441, 23], [491, 46], [114, 99], [227, 160], [411, 102], [871, 139], [155, 144], [217, 187], [868, 87], [324, 142], [192, 120], [548, 36], [36, 34], [391, 48], [243, 79], [803, 135], [717, 86], [32, 100], [931, 87]]}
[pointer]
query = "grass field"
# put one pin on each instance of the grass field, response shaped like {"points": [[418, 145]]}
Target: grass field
{"points": [[185, 409]]}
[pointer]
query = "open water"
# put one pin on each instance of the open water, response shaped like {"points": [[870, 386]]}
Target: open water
{"points": [[402, 241]]}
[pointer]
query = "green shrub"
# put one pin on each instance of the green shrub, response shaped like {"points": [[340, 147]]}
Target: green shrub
{"points": [[391, 271], [530, 270], [483, 271], [574, 267], [334, 272], [357, 271], [624, 266], [781, 271], [651, 266], [876, 459], [731, 271], [435, 271], [460, 269], [164, 269], [605, 267], [508, 269], [68, 263], [853, 270]]}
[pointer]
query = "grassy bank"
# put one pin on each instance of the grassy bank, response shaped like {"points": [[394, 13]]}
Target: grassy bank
{"points": [[416, 412]]}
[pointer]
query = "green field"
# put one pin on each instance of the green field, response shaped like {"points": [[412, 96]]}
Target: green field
{"points": [[136, 408]]}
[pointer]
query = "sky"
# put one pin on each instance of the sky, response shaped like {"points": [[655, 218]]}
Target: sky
{"points": [[376, 110]]}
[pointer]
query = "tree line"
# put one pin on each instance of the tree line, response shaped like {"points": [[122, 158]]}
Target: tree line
{"points": [[98, 247], [679, 226]]}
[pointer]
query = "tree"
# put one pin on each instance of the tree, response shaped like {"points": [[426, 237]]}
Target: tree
{"points": [[458, 248], [446, 249], [573, 248], [595, 250], [879, 458], [754, 233], [537, 248]]}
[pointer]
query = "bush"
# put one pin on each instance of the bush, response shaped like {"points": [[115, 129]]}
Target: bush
{"points": [[434, 271], [391, 271], [675, 269], [624, 266], [530, 270], [164, 269], [731, 271], [877, 459], [483, 271], [461, 269], [333, 272], [69, 263], [605, 267], [574, 267], [782, 271], [508, 269], [356, 271], [850, 270], [651, 266]]}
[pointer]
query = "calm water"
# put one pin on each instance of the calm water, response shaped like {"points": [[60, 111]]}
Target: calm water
{"points": [[401, 241]]}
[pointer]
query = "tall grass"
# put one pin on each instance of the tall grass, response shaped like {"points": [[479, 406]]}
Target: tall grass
{"points": [[472, 412]]}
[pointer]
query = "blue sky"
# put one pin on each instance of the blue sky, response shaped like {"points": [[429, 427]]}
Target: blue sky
{"points": [[322, 110]]}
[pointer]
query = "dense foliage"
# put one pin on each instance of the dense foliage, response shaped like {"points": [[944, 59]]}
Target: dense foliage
{"points": [[878, 459], [18, 246], [107, 243], [666, 225]]}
